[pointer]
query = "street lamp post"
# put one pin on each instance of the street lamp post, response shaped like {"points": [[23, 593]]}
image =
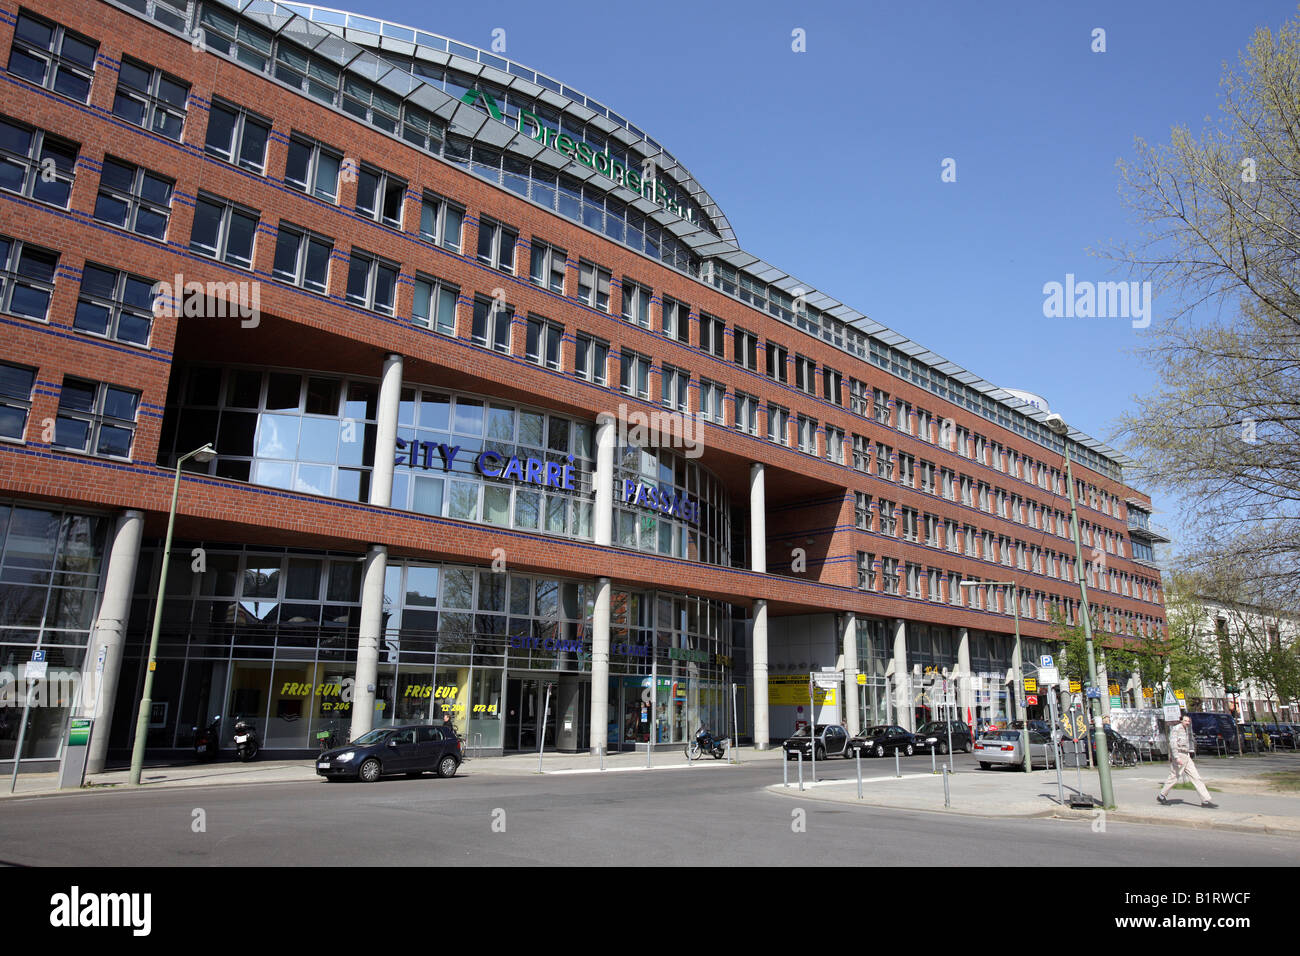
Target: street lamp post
{"points": [[1057, 424], [1018, 689], [201, 455]]}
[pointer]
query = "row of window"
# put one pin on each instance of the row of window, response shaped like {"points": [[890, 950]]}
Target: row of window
{"points": [[881, 516], [95, 418], [887, 575]]}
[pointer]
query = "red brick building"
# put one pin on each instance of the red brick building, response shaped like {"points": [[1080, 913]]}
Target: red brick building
{"points": [[505, 421]]}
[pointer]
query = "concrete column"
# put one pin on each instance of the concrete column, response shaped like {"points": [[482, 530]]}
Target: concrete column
{"points": [[600, 666], [372, 622], [761, 733], [851, 693], [603, 515], [390, 397], [99, 687], [965, 694], [902, 689], [757, 519]]}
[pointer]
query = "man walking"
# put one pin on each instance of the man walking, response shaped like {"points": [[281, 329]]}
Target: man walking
{"points": [[1180, 755]]}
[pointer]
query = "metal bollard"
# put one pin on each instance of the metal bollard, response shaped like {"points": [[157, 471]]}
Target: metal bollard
{"points": [[602, 757], [785, 770], [648, 745], [947, 799], [799, 755], [933, 769], [858, 756], [898, 770]]}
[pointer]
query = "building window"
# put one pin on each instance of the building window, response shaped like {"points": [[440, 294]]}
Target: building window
{"points": [[862, 454], [150, 98], [543, 342], [834, 445], [547, 266], [372, 282], [746, 413], [370, 104], [880, 407], [951, 536], [133, 198], [115, 304], [310, 74], [676, 320], [435, 304], [923, 421], [676, 386], [636, 303], [884, 462], [807, 431], [16, 383], [237, 136], [934, 588], [634, 378], [889, 575], [223, 230], [832, 382], [913, 580], [778, 424], [904, 417], [805, 374], [888, 518], [496, 245], [745, 346], [313, 168], [52, 56], [381, 196], [492, 324], [440, 221], [302, 258], [235, 38], [859, 398], [911, 524], [932, 525], [593, 285], [866, 571], [927, 477], [776, 362], [906, 470], [26, 279], [713, 334], [36, 164], [591, 359], [712, 396], [96, 418], [862, 511]]}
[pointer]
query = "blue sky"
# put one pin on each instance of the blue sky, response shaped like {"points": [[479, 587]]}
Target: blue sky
{"points": [[828, 162]]}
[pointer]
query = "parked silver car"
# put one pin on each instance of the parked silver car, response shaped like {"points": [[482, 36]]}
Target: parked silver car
{"points": [[1002, 747]]}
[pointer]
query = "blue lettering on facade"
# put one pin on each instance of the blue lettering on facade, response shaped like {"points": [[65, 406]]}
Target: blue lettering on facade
{"points": [[660, 499], [490, 464]]}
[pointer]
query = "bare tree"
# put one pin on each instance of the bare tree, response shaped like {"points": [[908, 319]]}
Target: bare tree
{"points": [[1219, 215]]}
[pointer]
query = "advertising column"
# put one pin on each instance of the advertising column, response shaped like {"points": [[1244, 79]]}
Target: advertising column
{"points": [[104, 655]]}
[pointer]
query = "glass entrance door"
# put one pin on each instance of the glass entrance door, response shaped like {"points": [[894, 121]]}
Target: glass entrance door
{"points": [[526, 703]]}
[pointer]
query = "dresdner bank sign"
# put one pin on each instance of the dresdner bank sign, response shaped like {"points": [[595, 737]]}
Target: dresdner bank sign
{"points": [[651, 188]]}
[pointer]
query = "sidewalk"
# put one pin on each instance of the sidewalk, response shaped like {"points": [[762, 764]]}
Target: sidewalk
{"points": [[231, 773], [1245, 802]]}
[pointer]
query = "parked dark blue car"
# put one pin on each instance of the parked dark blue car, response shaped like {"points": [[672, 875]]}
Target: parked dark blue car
{"points": [[393, 750]]}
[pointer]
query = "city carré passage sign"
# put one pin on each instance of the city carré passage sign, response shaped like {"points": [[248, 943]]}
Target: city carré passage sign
{"points": [[650, 187], [547, 474]]}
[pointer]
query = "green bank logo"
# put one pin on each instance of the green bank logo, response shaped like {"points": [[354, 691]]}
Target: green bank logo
{"points": [[599, 160]]}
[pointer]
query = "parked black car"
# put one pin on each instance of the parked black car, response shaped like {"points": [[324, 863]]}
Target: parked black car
{"points": [[392, 750], [1214, 733], [935, 734], [832, 740], [883, 739], [1284, 735]]}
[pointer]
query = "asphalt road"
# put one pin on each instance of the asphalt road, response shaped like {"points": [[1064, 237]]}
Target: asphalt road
{"points": [[714, 816]]}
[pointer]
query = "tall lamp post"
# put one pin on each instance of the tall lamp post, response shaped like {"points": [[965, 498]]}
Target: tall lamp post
{"points": [[1019, 687], [203, 456], [1057, 424]]}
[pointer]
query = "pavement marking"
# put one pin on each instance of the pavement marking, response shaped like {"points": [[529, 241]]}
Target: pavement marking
{"points": [[630, 769]]}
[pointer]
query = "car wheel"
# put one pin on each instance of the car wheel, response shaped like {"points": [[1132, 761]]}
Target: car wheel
{"points": [[942, 747], [821, 753], [447, 767], [880, 750], [968, 747], [909, 750], [985, 765], [370, 770]]}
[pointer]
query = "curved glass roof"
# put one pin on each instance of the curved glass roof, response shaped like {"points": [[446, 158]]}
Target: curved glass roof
{"points": [[409, 42]]}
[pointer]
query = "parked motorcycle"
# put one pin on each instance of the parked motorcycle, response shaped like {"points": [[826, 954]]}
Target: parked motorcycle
{"points": [[246, 740], [706, 743], [207, 742]]}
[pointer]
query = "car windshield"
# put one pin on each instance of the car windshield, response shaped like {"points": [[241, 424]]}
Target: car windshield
{"points": [[801, 732], [373, 737], [1008, 735], [934, 727], [875, 731]]}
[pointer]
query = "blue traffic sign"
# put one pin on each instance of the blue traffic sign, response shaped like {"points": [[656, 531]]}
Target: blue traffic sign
{"points": [[1094, 692], [1045, 660], [38, 655]]}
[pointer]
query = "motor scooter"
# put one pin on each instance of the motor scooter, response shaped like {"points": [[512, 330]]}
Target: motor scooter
{"points": [[706, 743], [246, 740], [207, 742]]}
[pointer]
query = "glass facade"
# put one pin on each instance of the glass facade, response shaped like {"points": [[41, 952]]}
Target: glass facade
{"points": [[50, 566], [271, 634]]}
